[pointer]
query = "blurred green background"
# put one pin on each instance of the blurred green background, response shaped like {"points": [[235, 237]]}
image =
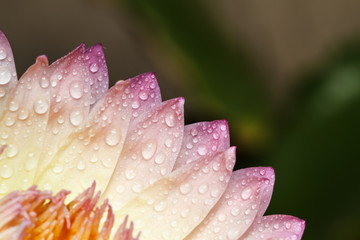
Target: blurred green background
{"points": [[285, 74]]}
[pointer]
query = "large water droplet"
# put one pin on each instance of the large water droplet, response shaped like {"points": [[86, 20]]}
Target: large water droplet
{"points": [[233, 234], [113, 137], [6, 171], [57, 168], [81, 165], [203, 188], [160, 206], [3, 54], [170, 119], [202, 150], [5, 76], [31, 162], [76, 117], [143, 95], [148, 150], [76, 90], [246, 193], [94, 68], [41, 106]]}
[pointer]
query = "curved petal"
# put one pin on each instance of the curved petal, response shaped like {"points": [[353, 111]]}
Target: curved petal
{"points": [[8, 76], [173, 206], [69, 102], [238, 206], [99, 77], [203, 139], [23, 127], [276, 227], [150, 152]]}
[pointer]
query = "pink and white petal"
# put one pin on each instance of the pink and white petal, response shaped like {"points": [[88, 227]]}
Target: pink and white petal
{"points": [[173, 206], [99, 77], [23, 127], [238, 206], [150, 152], [203, 139], [146, 97], [93, 150], [69, 84], [8, 76], [279, 227]]}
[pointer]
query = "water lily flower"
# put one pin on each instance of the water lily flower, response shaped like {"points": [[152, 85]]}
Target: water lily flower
{"points": [[63, 131]]}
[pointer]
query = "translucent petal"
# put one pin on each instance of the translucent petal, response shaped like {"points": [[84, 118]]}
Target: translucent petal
{"points": [[22, 127], [276, 227], [238, 206], [173, 206], [8, 78], [203, 139], [150, 152]]}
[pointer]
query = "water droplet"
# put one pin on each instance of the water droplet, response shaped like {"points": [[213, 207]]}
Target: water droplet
{"points": [[76, 90], [81, 165], [61, 119], [170, 119], [11, 150], [2, 92], [135, 105], [76, 117], [3, 54], [23, 114], [235, 211], [44, 82], [113, 137], [6, 171], [107, 162], [159, 159], [58, 168], [9, 121], [160, 206], [246, 193], [143, 95], [30, 162], [202, 150], [41, 106], [94, 68], [148, 150], [130, 174], [185, 188], [136, 187], [13, 105], [203, 188], [233, 234], [5, 76]]}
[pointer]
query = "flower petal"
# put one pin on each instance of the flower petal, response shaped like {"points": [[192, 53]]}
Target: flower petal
{"points": [[150, 152], [173, 206], [276, 227], [92, 151], [8, 76], [238, 206], [203, 138], [22, 128], [99, 77], [68, 82]]}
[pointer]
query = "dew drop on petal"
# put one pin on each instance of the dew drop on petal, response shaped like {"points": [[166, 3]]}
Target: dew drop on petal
{"points": [[94, 68], [57, 168], [203, 188], [113, 137], [202, 150], [135, 105], [81, 165], [130, 174], [170, 119], [185, 188], [233, 234], [246, 193], [76, 90], [41, 106], [11, 150], [5, 76], [159, 159], [2, 92], [148, 150], [6, 171], [3, 54], [143, 95], [23, 114], [76, 117], [13, 105], [44, 82]]}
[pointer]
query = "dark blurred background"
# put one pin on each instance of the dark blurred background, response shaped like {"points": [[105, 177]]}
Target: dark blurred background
{"points": [[285, 74]]}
